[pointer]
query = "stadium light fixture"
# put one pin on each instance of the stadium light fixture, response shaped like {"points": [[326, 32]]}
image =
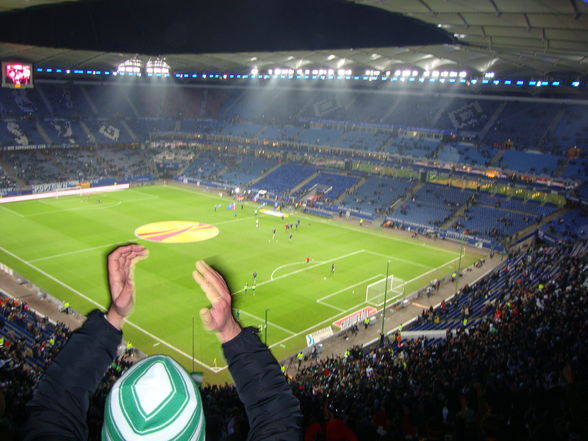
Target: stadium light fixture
{"points": [[157, 66], [131, 66]]}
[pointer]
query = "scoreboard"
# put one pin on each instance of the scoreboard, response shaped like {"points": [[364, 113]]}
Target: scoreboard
{"points": [[17, 75]]}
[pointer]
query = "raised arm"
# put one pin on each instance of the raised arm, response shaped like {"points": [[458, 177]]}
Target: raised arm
{"points": [[60, 403], [272, 410]]}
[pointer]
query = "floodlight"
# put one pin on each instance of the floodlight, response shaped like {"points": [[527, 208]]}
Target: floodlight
{"points": [[331, 57], [157, 66], [254, 70], [132, 65], [575, 83]]}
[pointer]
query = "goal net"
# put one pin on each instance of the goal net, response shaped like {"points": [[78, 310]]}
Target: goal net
{"points": [[376, 292]]}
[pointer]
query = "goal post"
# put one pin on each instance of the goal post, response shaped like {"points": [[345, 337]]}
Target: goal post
{"points": [[376, 292]]}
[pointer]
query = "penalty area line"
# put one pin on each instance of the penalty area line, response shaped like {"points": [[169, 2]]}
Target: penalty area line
{"points": [[316, 325], [265, 282], [402, 285], [347, 288], [95, 303], [287, 331]]}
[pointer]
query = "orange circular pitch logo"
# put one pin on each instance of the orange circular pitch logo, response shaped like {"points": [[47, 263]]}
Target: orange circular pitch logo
{"points": [[176, 231]]}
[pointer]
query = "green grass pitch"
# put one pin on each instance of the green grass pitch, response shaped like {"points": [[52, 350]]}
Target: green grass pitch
{"points": [[61, 244]]}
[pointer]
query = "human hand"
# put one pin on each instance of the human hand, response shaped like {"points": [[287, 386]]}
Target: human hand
{"points": [[120, 281], [219, 317]]}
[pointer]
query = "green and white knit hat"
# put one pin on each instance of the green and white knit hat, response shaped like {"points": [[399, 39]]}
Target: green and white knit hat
{"points": [[155, 400]]}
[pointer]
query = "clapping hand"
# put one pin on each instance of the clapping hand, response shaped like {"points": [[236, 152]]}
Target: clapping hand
{"points": [[219, 317], [120, 280]]}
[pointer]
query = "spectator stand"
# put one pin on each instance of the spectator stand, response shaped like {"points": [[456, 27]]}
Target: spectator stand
{"points": [[377, 194], [569, 228], [282, 180]]}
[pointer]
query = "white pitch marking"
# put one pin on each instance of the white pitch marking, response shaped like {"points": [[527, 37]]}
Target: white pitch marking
{"points": [[11, 211], [347, 310], [291, 264], [303, 269], [420, 276], [97, 207], [349, 287], [68, 253], [375, 233], [269, 323], [398, 259], [88, 299], [336, 308]]}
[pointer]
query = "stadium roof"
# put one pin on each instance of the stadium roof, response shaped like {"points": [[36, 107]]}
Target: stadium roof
{"points": [[509, 37]]}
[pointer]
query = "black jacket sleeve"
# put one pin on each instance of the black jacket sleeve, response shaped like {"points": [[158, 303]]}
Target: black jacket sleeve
{"points": [[60, 403], [272, 409]]}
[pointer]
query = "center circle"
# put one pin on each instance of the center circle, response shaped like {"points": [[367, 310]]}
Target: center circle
{"points": [[176, 231]]}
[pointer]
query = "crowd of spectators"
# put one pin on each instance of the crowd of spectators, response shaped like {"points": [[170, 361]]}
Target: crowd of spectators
{"points": [[28, 344], [505, 378], [517, 371]]}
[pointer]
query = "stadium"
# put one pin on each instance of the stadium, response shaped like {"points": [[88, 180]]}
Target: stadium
{"points": [[394, 191]]}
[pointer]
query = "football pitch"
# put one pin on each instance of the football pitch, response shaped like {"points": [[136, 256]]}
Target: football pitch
{"points": [[60, 244]]}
